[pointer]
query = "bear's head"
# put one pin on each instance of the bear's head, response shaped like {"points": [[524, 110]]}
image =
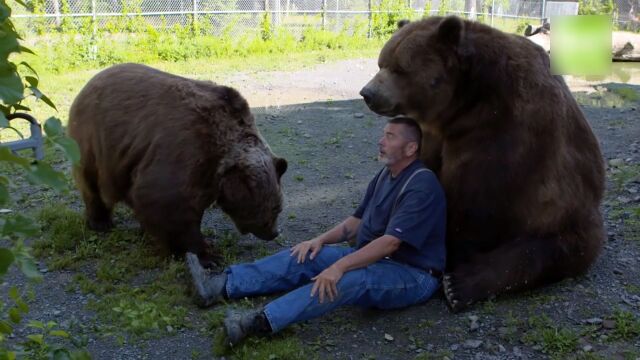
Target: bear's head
{"points": [[419, 69], [249, 188]]}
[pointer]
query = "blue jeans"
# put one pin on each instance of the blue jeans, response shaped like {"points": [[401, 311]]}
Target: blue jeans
{"points": [[385, 284]]}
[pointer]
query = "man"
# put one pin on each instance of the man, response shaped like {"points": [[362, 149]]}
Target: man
{"points": [[398, 261]]}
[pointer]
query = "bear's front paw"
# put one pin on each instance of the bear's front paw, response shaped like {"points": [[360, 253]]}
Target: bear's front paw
{"points": [[454, 291]]}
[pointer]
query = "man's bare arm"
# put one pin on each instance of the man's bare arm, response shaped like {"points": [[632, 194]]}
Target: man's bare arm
{"points": [[345, 231], [368, 254]]}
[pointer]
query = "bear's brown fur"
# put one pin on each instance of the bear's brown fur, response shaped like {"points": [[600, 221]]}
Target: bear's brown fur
{"points": [[169, 147], [521, 168]]}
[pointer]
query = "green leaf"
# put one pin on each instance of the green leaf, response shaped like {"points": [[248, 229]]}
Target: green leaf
{"points": [[61, 354], [42, 173], [7, 155], [29, 268], [81, 355], [6, 258], [70, 148], [5, 12], [60, 333], [33, 81], [9, 43], [14, 315], [36, 324], [25, 50], [13, 293], [20, 225], [25, 64], [4, 194], [48, 101], [19, 107], [11, 87], [5, 327], [22, 306], [53, 127], [4, 122], [36, 338]]}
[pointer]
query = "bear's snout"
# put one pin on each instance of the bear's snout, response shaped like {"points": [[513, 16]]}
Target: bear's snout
{"points": [[367, 94]]}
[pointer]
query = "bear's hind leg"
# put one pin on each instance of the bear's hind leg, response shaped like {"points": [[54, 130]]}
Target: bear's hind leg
{"points": [[97, 212], [521, 264]]}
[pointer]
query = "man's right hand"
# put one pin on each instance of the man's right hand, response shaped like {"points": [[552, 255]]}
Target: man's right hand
{"points": [[303, 248]]}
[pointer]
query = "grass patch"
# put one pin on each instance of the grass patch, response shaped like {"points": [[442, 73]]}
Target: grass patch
{"points": [[137, 289], [63, 230], [555, 341], [627, 326], [281, 346], [627, 94]]}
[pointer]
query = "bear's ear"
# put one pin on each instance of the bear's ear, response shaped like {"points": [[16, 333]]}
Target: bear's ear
{"points": [[450, 31], [281, 166], [403, 22]]}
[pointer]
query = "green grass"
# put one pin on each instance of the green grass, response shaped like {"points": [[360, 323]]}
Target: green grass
{"points": [[555, 341], [627, 326], [627, 93]]}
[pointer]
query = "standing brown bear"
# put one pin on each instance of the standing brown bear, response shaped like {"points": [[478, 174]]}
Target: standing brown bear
{"points": [[169, 147], [521, 168]]}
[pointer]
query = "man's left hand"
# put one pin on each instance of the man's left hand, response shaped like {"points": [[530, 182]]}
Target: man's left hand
{"points": [[326, 283]]}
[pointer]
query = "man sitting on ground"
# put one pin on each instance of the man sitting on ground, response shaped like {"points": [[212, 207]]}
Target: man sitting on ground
{"points": [[398, 260]]}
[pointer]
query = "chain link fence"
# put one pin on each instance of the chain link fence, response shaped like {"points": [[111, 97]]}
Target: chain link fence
{"points": [[248, 17]]}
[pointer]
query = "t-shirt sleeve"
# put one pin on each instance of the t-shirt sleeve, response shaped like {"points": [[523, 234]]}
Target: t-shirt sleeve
{"points": [[367, 198], [416, 216]]}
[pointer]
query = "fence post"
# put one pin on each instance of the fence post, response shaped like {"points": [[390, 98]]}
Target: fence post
{"points": [[93, 17], [324, 14], [493, 10], [370, 33], [544, 11], [195, 13]]}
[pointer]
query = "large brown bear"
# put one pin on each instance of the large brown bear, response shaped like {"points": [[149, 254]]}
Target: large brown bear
{"points": [[169, 147], [521, 168]]}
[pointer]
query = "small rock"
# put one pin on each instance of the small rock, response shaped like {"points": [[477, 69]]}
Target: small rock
{"points": [[587, 348], [594, 321], [44, 270], [609, 324], [299, 121], [632, 190], [503, 331], [501, 348], [472, 344], [56, 312], [537, 347], [516, 351], [454, 347], [617, 162], [358, 115], [306, 136], [623, 199], [618, 271], [388, 337]]}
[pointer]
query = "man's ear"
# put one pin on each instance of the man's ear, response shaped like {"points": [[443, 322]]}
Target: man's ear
{"points": [[411, 148]]}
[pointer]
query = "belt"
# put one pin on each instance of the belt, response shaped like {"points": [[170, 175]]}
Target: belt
{"points": [[435, 273]]}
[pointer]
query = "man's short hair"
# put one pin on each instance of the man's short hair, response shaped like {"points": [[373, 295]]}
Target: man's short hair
{"points": [[411, 132]]}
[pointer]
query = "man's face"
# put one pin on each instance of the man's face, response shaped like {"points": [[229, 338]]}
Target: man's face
{"points": [[392, 145]]}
